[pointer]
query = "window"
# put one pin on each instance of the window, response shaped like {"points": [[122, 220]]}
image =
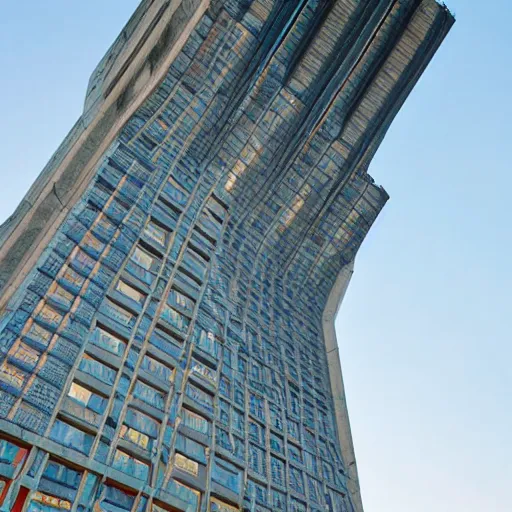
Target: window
{"points": [[297, 506], [222, 439], [311, 462], [276, 443], [276, 417], [63, 484], [24, 356], [309, 440], [156, 233], [108, 342], [186, 464], [227, 475], [38, 335], [207, 342], [149, 395], [257, 492], [239, 447], [70, 436], [118, 313], [135, 437], [256, 433], [239, 397], [49, 317], [176, 192], [97, 370], [141, 423], [223, 412], [12, 459], [328, 471], [225, 387], [142, 258], [295, 453], [257, 460], [256, 406], [238, 421], [256, 371], [315, 490], [294, 403], [227, 356], [278, 500], [296, 480], [61, 297], [114, 499], [309, 415], [130, 292], [175, 319], [219, 506], [277, 467], [204, 371], [157, 369], [200, 397], [184, 493], [87, 398], [181, 301], [130, 465], [195, 422]]}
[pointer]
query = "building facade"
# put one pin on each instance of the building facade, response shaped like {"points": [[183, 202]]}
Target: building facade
{"points": [[169, 284]]}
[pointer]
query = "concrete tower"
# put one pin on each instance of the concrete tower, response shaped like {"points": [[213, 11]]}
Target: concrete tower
{"points": [[169, 283]]}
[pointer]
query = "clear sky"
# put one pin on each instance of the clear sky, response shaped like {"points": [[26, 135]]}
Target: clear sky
{"points": [[424, 330]]}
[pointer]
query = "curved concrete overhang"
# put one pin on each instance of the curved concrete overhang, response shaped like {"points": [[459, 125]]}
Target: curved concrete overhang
{"points": [[337, 386]]}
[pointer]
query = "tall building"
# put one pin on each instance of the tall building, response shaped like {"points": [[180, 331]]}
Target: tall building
{"points": [[169, 283]]}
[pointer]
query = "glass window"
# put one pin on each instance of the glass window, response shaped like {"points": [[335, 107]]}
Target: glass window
{"points": [[204, 371], [87, 398], [195, 422], [184, 493], [71, 437], [225, 387], [256, 406], [276, 443], [277, 466], [295, 453], [135, 437], [149, 395], [142, 258], [118, 313], [256, 433], [130, 292], [158, 369], [97, 370], [130, 465], [198, 395], [156, 233], [296, 480], [174, 318], [208, 343], [186, 464], [257, 459], [108, 341]]}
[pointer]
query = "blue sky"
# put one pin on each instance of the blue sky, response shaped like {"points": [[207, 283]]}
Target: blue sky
{"points": [[424, 333]]}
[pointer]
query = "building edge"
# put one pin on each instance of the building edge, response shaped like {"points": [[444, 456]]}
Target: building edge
{"points": [[337, 386]]}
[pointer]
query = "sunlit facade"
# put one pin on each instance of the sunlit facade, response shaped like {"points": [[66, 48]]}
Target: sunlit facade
{"points": [[163, 331]]}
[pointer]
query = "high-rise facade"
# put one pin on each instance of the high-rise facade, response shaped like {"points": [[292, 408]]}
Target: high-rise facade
{"points": [[170, 281]]}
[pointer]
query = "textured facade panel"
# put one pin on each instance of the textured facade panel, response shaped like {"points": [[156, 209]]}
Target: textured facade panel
{"points": [[168, 350]]}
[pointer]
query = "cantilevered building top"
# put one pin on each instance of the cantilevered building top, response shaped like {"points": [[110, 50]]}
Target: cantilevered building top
{"points": [[169, 283]]}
